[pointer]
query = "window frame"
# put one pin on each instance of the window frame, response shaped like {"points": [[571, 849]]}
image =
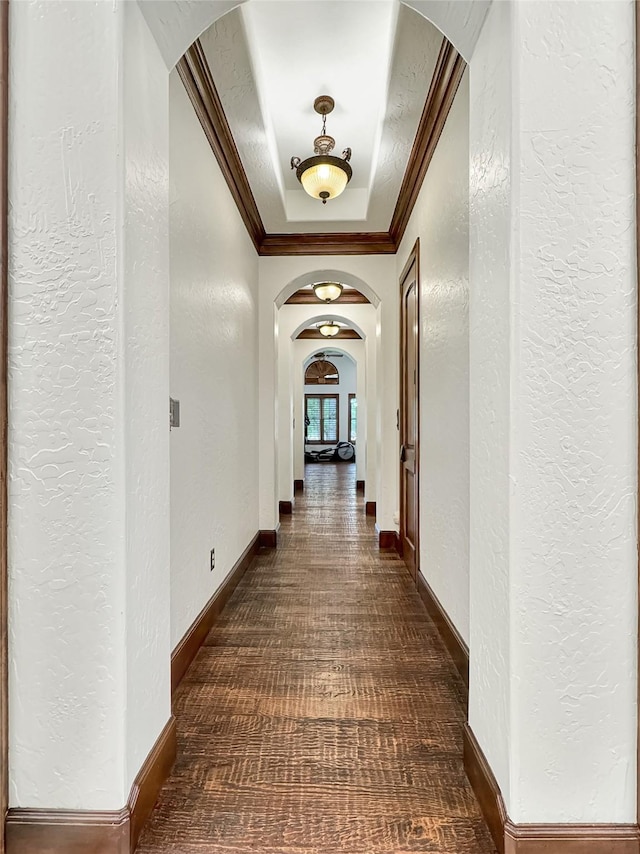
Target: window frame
{"points": [[322, 441], [351, 397], [315, 380]]}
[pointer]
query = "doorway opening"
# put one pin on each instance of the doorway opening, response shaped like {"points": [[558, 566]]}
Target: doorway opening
{"points": [[329, 403]]}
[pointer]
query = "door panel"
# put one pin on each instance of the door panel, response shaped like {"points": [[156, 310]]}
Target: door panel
{"points": [[409, 414]]}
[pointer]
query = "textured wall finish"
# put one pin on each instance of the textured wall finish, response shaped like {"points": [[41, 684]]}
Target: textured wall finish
{"points": [[460, 20], [66, 461], [574, 437], [89, 381], [441, 220], [489, 353], [176, 24], [146, 339], [554, 410], [214, 371]]}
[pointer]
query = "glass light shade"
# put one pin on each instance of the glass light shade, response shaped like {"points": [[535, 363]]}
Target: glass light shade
{"points": [[327, 291], [329, 329], [325, 180]]}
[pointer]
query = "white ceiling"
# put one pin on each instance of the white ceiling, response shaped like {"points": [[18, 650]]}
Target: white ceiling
{"points": [[271, 58]]}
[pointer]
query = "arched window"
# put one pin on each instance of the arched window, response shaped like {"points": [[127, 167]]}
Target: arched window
{"points": [[321, 372]]}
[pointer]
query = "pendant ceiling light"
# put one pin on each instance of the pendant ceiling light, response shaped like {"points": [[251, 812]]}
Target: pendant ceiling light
{"points": [[327, 291], [323, 176], [329, 329]]}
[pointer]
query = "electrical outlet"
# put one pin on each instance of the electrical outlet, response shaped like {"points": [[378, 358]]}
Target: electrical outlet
{"points": [[213, 559]]}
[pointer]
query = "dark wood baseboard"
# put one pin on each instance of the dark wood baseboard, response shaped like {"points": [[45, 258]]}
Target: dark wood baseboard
{"points": [[286, 508], [513, 838], [268, 539], [571, 839], [360, 486], [458, 650], [186, 650], [388, 540], [150, 779], [298, 487], [370, 508], [485, 786], [42, 831]]}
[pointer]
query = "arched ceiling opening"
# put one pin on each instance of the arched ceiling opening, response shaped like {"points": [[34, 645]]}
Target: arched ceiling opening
{"points": [[312, 322], [268, 66], [327, 275], [254, 71], [176, 24]]}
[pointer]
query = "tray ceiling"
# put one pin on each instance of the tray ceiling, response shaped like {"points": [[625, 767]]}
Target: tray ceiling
{"points": [[270, 58]]}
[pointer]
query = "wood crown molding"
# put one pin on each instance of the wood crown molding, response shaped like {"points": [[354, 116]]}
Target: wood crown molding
{"points": [[450, 67], [457, 648], [513, 838], [305, 296], [42, 831], [329, 243], [188, 647], [196, 76], [316, 334]]}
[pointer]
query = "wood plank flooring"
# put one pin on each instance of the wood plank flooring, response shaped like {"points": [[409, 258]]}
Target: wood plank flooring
{"points": [[323, 715]]}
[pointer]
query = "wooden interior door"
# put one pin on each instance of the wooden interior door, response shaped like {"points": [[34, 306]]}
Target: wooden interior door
{"points": [[409, 413]]}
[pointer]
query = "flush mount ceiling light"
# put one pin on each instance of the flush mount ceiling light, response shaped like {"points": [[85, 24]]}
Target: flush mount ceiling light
{"points": [[327, 291], [323, 176], [329, 328]]}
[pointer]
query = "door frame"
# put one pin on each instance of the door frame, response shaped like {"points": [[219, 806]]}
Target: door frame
{"points": [[414, 257]]}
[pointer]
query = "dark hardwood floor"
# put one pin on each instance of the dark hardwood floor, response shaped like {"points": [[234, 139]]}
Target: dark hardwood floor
{"points": [[323, 715]]}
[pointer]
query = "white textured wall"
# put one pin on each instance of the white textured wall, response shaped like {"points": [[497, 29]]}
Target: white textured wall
{"points": [[146, 339], [554, 410], [89, 687], [490, 274], [214, 371], [441, 220], [574, 435], [66, 519]]}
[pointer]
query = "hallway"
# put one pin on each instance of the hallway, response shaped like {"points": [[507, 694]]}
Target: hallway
{"points": [[322, 714]]}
